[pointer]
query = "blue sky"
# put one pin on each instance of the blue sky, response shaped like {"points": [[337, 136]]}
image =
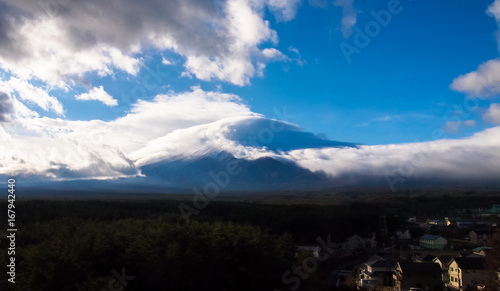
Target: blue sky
{"points": [[395, 90], [114, 78]]}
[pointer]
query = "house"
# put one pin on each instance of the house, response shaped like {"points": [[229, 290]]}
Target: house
{"points": [[357, 242], [467, 273], [434, 242], [444, 262], [481, 251], [471, 224], [483, 236], [438, 222], [403, 234], [418, 220], [495, 210], [425, 276], [424, 258], [375, 274]]}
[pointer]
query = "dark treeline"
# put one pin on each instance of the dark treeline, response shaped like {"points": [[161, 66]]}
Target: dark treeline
{"points": [[303, 222]]}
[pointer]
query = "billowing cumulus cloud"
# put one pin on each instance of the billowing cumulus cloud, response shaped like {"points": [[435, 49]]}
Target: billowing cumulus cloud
{"points": [[49, 45], [6, 108], [485, 81], [494, 10], [98, 93], [32, 94], [46, 49], [493, 114], [55, 42], [285, 10]]}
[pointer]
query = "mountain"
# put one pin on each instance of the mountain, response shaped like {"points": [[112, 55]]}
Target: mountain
{"points": [[277, 135], [252, 153], [261, 174]]}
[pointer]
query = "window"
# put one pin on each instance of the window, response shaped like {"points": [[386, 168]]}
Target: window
{"points": [[452, 269]]}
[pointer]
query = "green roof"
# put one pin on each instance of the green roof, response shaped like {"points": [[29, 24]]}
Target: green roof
{"points": [[431, 237], [478, 249], [493, 210]]}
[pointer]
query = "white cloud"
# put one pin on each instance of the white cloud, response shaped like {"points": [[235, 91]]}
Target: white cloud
{"points": [[6, 107], [59, 45], [285, 10], [383, 118], [484, 82], [98, 93], [95, 36], [166, 113], [245, 30], [493, 114], [298, 59], [166, 62], [274, 54], [455, 126], [494, 10], [470, 123], [32, 94], [60, 148], [477, 157], [200, 138], [349, 14], [318, 3], [48, 52], [62, 157]]}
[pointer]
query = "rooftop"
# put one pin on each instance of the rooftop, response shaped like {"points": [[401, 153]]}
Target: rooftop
{"points": [[479, 249], [383, 264], [420, 268], [425, 258], [444, 259], [471, 263]]}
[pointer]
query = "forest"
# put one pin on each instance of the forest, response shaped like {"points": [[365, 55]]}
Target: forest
{"points": [[146, 244]]}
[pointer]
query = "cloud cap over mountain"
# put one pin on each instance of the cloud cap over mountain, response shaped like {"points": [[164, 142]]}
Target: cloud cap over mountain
{"points": [[198, 123]]}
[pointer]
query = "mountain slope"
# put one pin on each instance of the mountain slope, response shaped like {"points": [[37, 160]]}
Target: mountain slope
{"points": [[233, 173]]}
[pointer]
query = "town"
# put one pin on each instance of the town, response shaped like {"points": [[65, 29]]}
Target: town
{"points": [[427, 253]]}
